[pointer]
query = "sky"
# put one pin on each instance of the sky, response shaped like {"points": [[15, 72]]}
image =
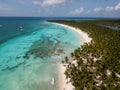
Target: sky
{"points": [[60, 8]]}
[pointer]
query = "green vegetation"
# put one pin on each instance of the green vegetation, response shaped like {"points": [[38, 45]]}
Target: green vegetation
{"points": [[95, 65]]}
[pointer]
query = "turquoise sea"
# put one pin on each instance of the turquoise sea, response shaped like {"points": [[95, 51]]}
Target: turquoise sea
{"points": [[30, 51]]}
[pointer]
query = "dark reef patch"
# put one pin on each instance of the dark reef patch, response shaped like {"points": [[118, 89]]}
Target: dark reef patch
{"points": [[26, 56], [45, 48], [13, 67]]}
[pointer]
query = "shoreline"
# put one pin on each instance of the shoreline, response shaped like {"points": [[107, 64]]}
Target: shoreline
{"points": [[83, 34], [62, 68]]}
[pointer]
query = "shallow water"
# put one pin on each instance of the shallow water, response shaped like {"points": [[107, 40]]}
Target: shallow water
{"points": [[29, 60]]}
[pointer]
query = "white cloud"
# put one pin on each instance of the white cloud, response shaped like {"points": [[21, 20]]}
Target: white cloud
{"points": [[117, 7], [77, 11], [46, 3], [113, 8], [108, 8], [53, 2], [88, 12], [98, 9], [36, 2]]}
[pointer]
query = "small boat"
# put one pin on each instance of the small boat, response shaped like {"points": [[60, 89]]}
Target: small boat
{"points": [[52, 81], [21, 26], [21, 29]]}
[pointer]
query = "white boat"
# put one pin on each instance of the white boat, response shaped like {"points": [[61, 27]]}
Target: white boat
{"points": [[21, 27], [52, 81]]}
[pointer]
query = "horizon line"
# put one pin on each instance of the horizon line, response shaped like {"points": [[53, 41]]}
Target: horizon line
{"points": [[52, 17]]}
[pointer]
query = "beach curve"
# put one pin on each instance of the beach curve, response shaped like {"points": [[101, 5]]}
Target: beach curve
{"points": [[64, 84]]}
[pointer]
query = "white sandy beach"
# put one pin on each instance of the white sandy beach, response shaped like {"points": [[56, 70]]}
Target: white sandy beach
{"points": [[62, 68], [80, 32]]}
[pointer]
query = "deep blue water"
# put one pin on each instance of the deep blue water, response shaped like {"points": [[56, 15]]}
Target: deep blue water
{"points": [[50, 18], [55, 18], [12, 28]]}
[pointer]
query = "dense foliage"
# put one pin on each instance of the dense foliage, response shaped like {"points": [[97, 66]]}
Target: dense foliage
{"points": [[95, 65]]}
